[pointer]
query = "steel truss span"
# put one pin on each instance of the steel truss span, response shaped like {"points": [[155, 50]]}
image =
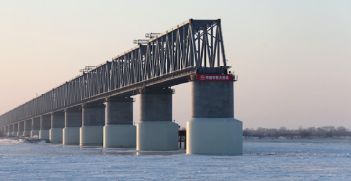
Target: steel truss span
{"points": [[170, 58]]}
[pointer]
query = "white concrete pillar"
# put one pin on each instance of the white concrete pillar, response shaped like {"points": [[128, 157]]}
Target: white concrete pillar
{"points": [[73, 122], [10, 130], [91, 132], [15, 129], [57, 125], [20, 128], [213, 129], [35, 127], [7, 130], [156, 131], [119, 131], [11, 126], [27, 128], [45, 126]]}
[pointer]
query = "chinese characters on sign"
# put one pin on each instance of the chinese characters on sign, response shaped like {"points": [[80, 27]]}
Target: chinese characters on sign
{"points": [[214, 77]]}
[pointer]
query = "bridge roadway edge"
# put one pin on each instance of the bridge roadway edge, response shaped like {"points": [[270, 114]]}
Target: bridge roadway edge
{"points": [[171, 79]]}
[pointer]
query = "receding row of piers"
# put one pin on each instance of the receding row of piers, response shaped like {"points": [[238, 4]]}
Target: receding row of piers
{"points": [[109, 123]]}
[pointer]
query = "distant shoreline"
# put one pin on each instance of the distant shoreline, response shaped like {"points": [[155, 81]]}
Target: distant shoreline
{"points": [[311, 139]]}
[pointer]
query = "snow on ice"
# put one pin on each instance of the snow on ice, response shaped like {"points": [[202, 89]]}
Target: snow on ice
{"points": [[263, 159]]}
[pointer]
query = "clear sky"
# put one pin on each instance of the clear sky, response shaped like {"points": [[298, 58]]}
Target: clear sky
{"points": [[293, 57]]}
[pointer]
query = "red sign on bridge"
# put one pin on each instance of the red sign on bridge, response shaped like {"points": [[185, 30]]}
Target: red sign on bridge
{"points": [[214, 77]]}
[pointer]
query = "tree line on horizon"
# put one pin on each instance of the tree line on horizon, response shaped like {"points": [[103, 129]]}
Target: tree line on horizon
{"points": [[325, 131]]}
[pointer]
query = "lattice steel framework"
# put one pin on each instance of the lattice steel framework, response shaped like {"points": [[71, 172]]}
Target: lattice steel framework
{"points": [[193, 43]]}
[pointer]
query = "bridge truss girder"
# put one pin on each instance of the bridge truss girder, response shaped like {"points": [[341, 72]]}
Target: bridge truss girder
{"points": [[192, 45]]}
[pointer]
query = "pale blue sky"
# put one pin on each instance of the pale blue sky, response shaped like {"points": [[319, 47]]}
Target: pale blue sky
{"points": [[293, 57]]}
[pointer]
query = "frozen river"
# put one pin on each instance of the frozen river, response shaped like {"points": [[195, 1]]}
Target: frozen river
{"points": [[308, 159]]}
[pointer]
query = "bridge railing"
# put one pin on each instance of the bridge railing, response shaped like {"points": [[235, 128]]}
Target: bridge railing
{"points": [[193, 43]]}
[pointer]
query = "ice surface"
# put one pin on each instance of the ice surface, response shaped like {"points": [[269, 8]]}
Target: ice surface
{"points": [[263, 159]]}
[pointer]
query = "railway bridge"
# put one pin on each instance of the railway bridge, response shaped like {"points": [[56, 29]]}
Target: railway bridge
{"points": [[96, 108]]}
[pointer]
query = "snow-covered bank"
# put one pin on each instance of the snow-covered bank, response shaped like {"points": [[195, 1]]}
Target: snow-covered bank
{"points": [[262, 160], [312, 139], [10, 141]]}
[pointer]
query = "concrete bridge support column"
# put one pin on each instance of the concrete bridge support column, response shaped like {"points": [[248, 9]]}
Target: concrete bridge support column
{"points": [[73, 122], [57, 125], [10, 130], [27, 128], [7, 129], [12, 127], [45, 126], [35, 127], [20, 128], [15, 129], [119, 131], [213, 129], [156, 131], [91, 132]]}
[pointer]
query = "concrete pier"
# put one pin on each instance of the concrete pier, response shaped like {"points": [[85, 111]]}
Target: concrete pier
{"points": [[213, 129], [119, 131], [6, 131], [57, 125], [35, 127], [20, 128], [45, 126], [73, 122], [156, 131], [15, 129], [27, 128], [91, 132], [9, 133]]}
